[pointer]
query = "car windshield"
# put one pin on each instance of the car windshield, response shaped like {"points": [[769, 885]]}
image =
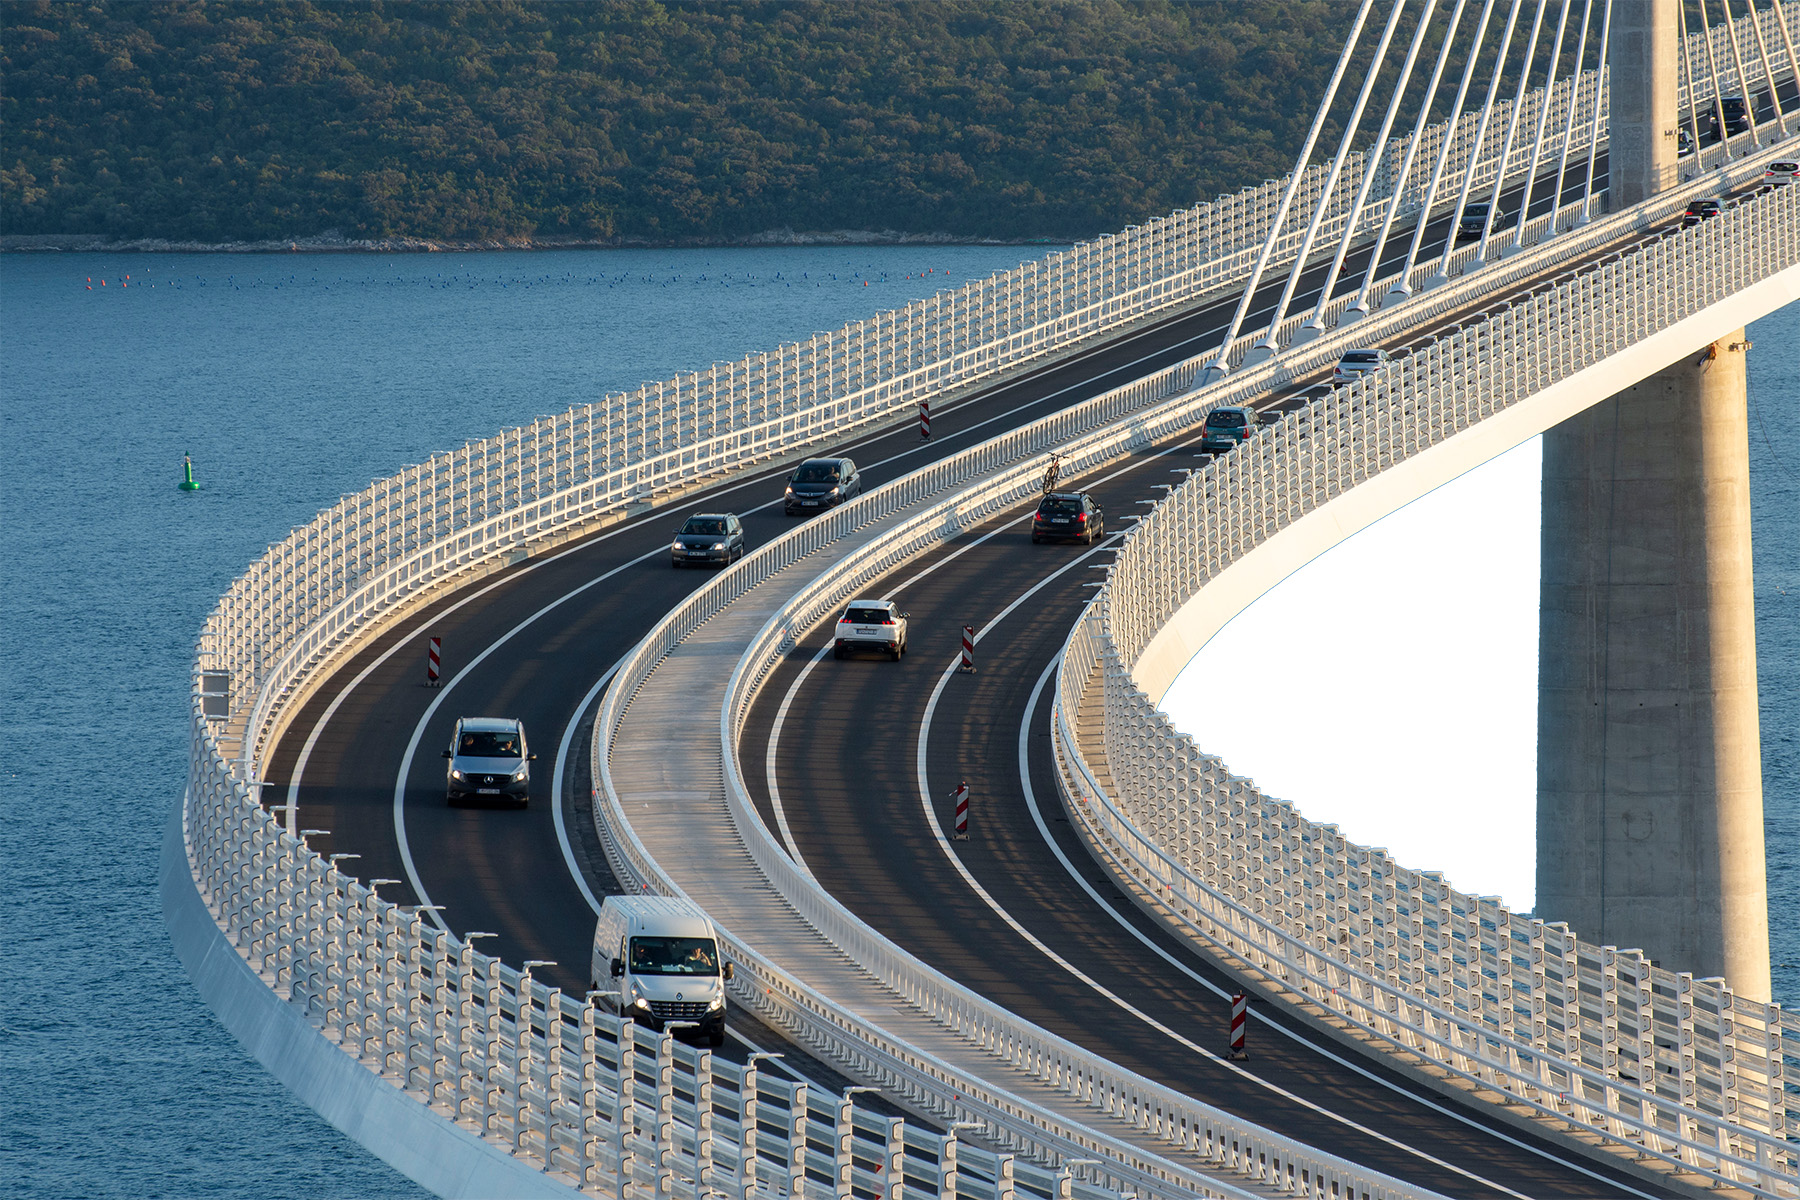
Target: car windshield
{"points": [[709, 525], [674, 956], [1059, 505], [476, 743], [868, 616], [1700, 206], [1784, 166], [1475, 211], [816, 473], [1363, 357], [1224, 418]]}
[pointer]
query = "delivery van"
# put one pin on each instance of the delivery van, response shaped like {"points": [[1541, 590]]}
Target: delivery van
{"points": [[657, 961]]}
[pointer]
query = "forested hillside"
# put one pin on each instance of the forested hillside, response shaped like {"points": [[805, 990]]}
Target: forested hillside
{"points": [[641, 121]]}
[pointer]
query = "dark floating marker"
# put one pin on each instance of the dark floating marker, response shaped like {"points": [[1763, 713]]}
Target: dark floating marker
{"points": [[187, 483]]}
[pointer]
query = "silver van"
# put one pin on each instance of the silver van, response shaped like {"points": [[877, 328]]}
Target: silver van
{"points": [[488, 761], [657, 960]]}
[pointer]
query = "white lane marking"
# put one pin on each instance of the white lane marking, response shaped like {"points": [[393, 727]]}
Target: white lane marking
{"points": [[556, 783], [787, 700], [1088, 981], [418, 733], [1291, 1034]]}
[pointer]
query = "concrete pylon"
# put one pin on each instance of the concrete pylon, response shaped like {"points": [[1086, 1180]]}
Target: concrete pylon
{"points": [[1641, 80], [1650, 816]]}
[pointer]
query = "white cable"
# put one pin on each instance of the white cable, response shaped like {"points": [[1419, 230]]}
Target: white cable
{"points": [[1487, 114], [1718, 85], [1506, 143], [1537, 144], [1568, 137], [1272, 339], [1361, 304], [1222, 365], [1762, 49], [1587, 195], [1787, 40], [1686, 81], [1742, 81], [1403, 288]]}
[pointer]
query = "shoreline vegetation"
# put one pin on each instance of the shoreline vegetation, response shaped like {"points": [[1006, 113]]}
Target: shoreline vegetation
{"points": [[413, 125], [333, 242]]}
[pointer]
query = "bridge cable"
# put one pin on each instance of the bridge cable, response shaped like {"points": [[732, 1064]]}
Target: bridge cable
{"points": [[1360, 305], [1600, 74], [1762, 50], [1568, 142], [1487, 114], [1537, 143], [1741, 81], [1403, 287], [1718, 86], [1271, 340], [1222, 365], [1506, 143], [1686, 80], [1787, 39]]}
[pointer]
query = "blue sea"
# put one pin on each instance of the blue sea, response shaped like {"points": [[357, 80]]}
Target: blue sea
{"points": [[290, 380]]}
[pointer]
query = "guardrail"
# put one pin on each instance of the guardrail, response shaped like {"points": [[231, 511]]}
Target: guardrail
{"points": [[357, 564], [1674, 1069]]}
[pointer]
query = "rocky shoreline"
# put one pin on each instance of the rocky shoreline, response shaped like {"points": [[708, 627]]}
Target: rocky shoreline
{"points": [[333, 242]]}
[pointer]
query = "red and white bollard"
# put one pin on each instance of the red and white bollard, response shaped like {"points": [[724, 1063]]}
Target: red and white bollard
{"points": [[924, 419], [434, 659], [1239, 1003], [962, 811], [968, 662]]}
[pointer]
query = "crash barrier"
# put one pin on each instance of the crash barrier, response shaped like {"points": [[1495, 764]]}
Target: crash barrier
{"points": [[1669, 1069]]}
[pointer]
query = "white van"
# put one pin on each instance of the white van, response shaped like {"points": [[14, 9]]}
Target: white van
{"points": [[657, 961]]}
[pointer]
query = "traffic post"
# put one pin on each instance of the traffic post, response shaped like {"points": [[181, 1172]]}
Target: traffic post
{"points": [[1239, 1003], [962, 811], [968, 662], [434, 658], [924, 420]]}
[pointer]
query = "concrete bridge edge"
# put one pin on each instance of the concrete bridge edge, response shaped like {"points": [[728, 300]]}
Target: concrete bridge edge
{"points": [[1290, 548], [419, 1142]]}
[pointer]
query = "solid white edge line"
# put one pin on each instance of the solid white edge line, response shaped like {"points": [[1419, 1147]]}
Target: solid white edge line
{"points": [[556, 782]]}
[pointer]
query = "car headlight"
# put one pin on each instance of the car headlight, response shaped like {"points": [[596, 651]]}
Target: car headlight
{"points": [[835, 490], [676, 546], [790, 490], [718, 1002], [718, 545], [455, 774], [522, 772]]}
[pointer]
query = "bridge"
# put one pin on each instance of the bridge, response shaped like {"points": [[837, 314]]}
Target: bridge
{"points": [[1039, 1010]]}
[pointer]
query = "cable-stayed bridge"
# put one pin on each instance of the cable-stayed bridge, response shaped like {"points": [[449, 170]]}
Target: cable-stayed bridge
{"points": [[1036, 1005]]}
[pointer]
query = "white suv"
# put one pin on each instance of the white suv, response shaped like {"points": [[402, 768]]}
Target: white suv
{"points": [[870, 625]]}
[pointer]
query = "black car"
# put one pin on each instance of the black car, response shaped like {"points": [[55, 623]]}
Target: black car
{"points": [[1736, 115], [708, 538], [1068, 516], [1701, 210], [1475, 220], [1226, 427], [821, 483]]}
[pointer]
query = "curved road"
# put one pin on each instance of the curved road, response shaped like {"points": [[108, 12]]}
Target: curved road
{"points": [[1019, 913]]}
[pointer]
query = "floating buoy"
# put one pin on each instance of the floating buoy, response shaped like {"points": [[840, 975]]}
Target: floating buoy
{"points": [[187, 471]]}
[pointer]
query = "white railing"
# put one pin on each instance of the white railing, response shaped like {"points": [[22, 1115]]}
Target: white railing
{"points": [[600, 1104], [1674, 1069], [1008, 469], [356, 565]]}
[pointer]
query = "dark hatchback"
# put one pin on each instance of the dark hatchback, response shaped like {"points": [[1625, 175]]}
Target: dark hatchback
{"points": [[708, 538], [1475, 220], [1068, 517], [1226, 428], [821, 483], [1701, 210]]}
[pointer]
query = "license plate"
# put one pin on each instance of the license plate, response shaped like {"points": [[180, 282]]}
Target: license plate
{"points": [[487, 791], [1059, 520], [696, 554], [811, 503], [862, 632]]}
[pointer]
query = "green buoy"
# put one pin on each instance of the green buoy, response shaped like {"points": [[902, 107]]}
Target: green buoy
{"points": [[187, 470]]}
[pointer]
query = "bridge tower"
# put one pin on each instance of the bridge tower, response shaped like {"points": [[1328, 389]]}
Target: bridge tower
{"points": [[1650, 816]]}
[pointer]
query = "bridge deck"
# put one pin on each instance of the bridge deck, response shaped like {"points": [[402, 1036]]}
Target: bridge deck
{"points": [[667, 769]]}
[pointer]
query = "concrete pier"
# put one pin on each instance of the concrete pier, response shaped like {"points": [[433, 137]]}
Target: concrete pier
{"points": [[1650, 818], [1641, 92]]}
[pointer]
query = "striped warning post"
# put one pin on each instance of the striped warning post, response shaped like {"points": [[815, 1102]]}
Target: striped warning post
{"points": [[924, 419], [434, 659], [1239, 1003], [968, 662], [962, 810]]}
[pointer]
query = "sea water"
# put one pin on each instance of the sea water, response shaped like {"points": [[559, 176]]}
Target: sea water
{"points": [[291, 380]]}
